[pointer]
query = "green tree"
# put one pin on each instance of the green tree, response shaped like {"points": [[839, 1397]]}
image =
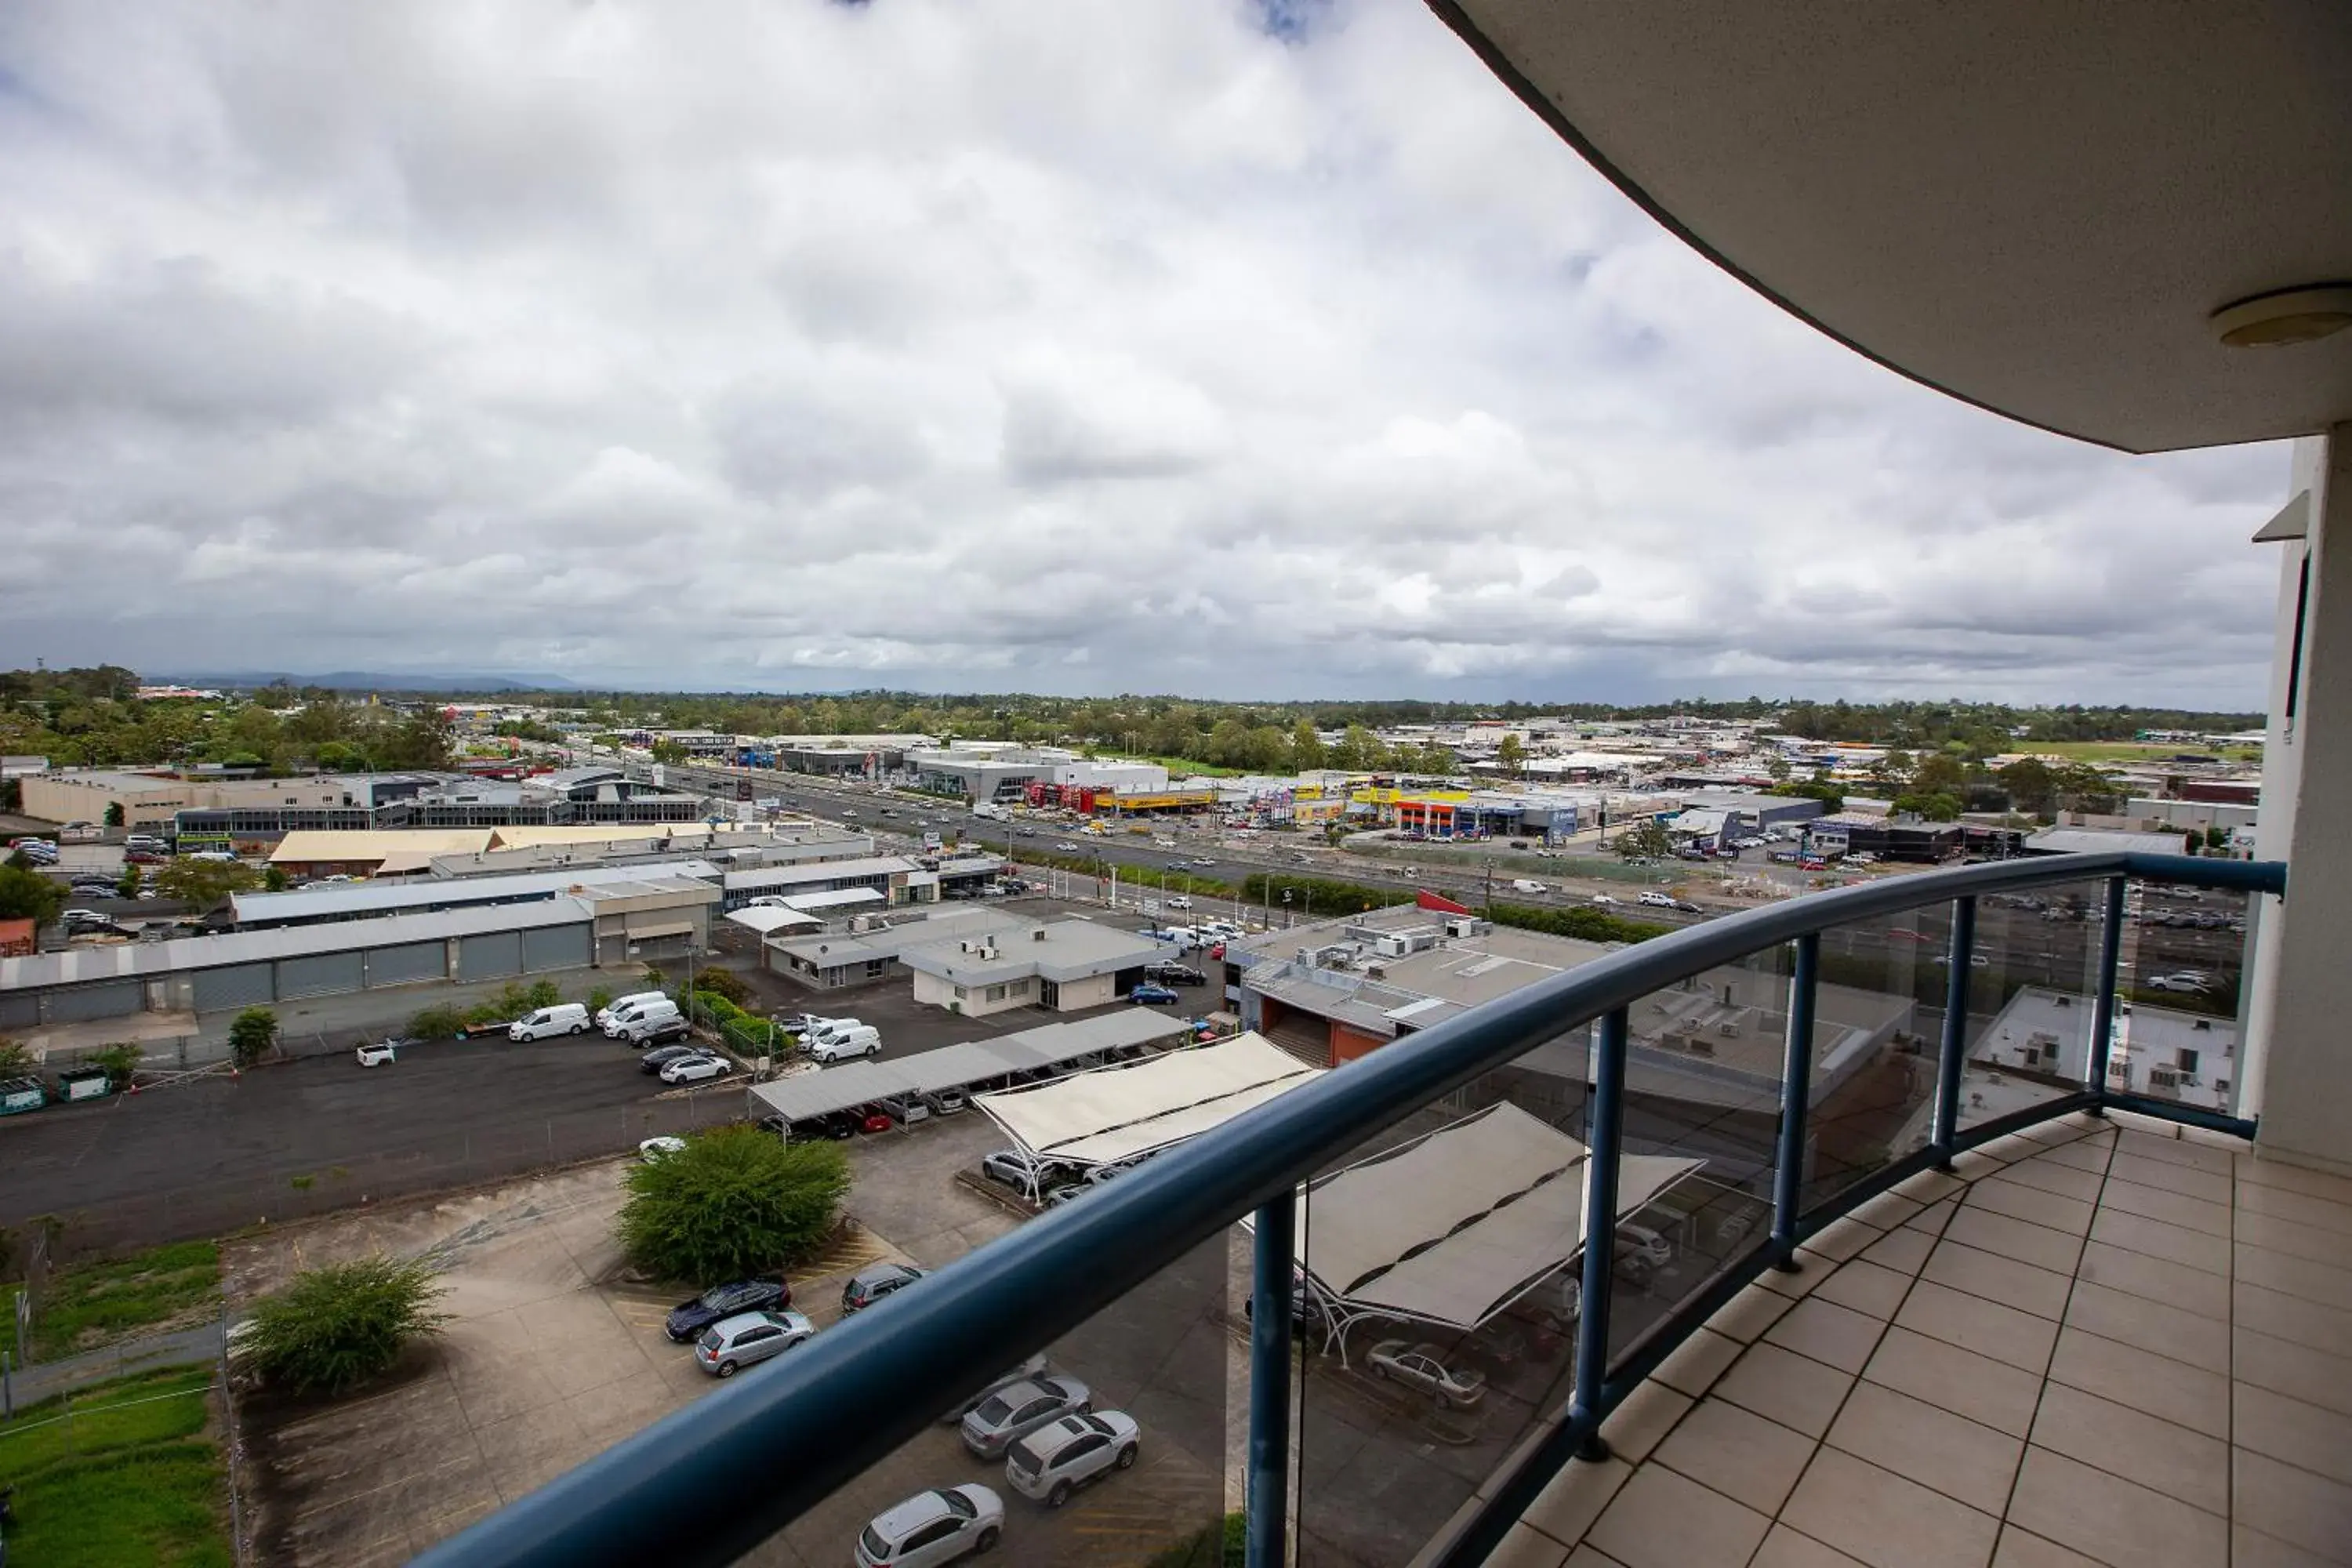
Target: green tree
{"points": [[1647, 839], [722, 982], [251, 1035], [2082, 788], [2032, 786], [334, 1327], [204, 883], [1777, 768], [1932, 807], [113, 816], [1941, 774], [127, 885], [736, 1201], [28, 895], [16, 1057], [1306, 747], [120, 1060], [275, 880], [1511, 756]]}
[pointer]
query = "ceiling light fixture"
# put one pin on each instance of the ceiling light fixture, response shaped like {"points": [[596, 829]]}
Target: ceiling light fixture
{"points": [[2286, 316]]}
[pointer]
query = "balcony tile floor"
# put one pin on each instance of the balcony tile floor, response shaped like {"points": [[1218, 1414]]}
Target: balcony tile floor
{"points": [[2105, 1342]]}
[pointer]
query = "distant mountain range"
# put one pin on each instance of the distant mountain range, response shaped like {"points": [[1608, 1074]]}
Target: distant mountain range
{"points": [[375, 681]]}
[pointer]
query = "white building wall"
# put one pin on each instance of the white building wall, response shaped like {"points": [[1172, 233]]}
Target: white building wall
{"points": [[1093, 992]]}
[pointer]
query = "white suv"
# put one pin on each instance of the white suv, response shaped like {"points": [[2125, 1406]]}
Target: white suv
{"points": [[1657, 900], [1054, 1460], [932, 1528]]}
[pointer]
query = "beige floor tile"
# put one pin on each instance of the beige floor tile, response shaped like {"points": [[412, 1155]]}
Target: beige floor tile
{"points": [[2298, 1507], [2022, 1549], [2158, 1385], [2018, 1201], [1573, 1498], [1843, 1239], [1649, 1413], [1586, 1557], [2012, 1147], [1936, 1215], [1661, 1519], [1972, 1164], [2228, 1142], [2286, 1317], [2296, 1239], [1748, 1314], [1739, 1453], [2041, 1291], [2068, 1181], [2299, 1208], [2092, 1154], [2170, 1147], [1928, 1186], [1802, 1280], [1786, 1548], [1928, 1445], [1828, 1332], [1888, 1210], [2156, 1278], [2104, 1516], [2137, 1446], [2292, 1430], [1783, 1386], [1972, 1323], [1990, 1392], [2173, 1243], [2151, 1325], [2028, 1243], [1697, 1361], [2279, 1175], [2297, 1371], [2212, 1187], [1866, 1287], [1524, 1547], [2319, 1282], [1885, 1520], [2252, 1549], [2172, 1208], [1903, 1249]]}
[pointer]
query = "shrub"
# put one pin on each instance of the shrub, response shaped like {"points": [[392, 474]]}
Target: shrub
{"points": [[120, 1060], [334, 1327], [722, 982], [734, 1201], [252, 1035], [440, 1022], [16, 1057], [542, 994], [599, 999]]}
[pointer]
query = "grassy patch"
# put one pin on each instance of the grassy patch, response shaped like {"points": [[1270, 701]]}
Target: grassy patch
{"points": [[130, 1480], [2132, 750], [94, 1304]]}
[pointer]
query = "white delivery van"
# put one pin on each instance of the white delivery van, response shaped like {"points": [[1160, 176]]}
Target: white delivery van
{"points": [[845, 1044], [1526, 885], [621, 1025], [826, 1029], [563, 1018], [604, 1013]]}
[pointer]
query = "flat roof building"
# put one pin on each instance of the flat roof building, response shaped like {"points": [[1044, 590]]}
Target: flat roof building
{"points": [[1066, 966]]}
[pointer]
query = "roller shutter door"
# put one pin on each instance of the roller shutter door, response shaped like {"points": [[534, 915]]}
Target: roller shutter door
{"points": [[489, 957], [237, 985], [320, 975], [19, 1010], [555, 947], [409, 962], [110, 1000]]}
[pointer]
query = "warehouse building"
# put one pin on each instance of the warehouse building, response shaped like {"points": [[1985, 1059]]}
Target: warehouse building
{"points": [[871, 946], [897, 881], [1067, 966], [990, 771], [416, 896]]}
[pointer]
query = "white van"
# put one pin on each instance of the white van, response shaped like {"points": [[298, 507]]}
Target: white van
{"points": [[623, 1024], [604, 1013], [1526, 885], [860, 1042], [829, 1029], [563, 1018]]}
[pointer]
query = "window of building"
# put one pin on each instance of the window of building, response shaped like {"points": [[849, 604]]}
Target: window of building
{"points": [[1049, 993], [996, 993], [961, 994]]}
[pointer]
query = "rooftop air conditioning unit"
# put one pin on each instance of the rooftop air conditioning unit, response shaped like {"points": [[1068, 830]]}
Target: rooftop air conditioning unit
{"points": [[1700, 1046], [1037, 935]]}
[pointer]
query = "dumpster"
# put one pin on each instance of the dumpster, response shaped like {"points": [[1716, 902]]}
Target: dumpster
{"points": [[84, 1083], [21, 1094]]}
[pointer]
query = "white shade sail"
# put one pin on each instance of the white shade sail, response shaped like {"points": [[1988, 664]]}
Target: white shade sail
{"points": [[1100, 1118]]}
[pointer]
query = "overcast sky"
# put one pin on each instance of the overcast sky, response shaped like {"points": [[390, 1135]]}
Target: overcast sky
{"points": [[1059, 347]]}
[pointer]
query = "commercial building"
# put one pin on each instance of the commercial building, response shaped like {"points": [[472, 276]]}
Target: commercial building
{"points": [[383, 802], [897, 881], [2091, 840], [151, 800], [871, 945], [407, 896], [989, 771], [1067, 966]]}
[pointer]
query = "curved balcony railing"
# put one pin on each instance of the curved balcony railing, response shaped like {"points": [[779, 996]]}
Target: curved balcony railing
{"points": [[709, 1483]]}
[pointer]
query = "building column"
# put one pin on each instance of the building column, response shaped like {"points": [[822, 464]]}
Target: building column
{"points": [[2297, 1066]]}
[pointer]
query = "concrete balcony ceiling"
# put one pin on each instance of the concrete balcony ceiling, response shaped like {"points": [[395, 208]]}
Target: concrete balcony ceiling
{"points": [[2035, 206]]}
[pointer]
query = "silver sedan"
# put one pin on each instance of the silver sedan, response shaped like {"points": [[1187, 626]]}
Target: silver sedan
{"points": [[1017, 1411]]}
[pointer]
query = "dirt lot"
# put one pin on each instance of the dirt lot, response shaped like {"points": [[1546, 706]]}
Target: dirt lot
{"points": [[551, 1357]]}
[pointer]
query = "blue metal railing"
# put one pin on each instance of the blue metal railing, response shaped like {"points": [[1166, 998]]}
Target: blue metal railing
{"points": [[708, 1483]]}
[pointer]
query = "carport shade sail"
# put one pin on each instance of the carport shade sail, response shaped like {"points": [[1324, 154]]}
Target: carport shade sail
{"points": [[768, 917], [1453, 1226], [1100, 1118]]}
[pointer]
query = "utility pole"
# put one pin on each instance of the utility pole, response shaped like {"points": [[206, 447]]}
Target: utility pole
{"points": [[1490, 887]]}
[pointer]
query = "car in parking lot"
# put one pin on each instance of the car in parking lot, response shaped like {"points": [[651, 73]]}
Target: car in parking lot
{"points": [[2193, 982], [661, 1057], [377, 1053], [1603, 899], [875, 1282], [1036, 1366], [1174, 974], [1012, 1412], [1150, 994], [654, 1151], [688, 1318], [1423, 1366], [699, 1068], [932, 1528], [732, 1343], [1020, 1171], [1062, 1455], [841, 1047]]}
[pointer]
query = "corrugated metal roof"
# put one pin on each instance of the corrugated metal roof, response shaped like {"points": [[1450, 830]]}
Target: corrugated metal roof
{"points": [[374, 898], [816, 871], [336, 844], [808, 1094], [149, 958], [2100, 840]]}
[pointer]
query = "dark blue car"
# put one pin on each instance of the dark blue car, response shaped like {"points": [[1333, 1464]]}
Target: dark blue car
{"points": [[688, 1318], [1148, 994]]}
